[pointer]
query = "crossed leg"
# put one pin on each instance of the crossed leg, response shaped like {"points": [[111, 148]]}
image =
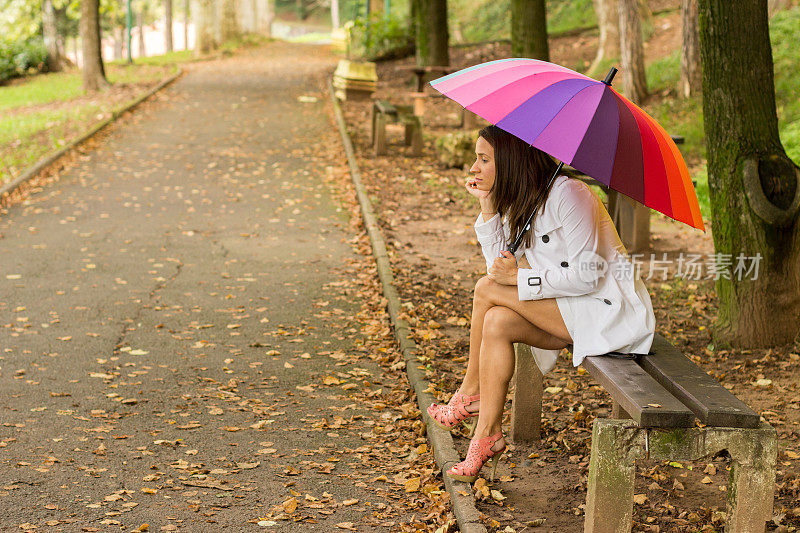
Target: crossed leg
{"points": [[499, 319]]}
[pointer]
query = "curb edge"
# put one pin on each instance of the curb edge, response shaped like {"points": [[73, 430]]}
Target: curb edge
{"points": [[444, 451]]}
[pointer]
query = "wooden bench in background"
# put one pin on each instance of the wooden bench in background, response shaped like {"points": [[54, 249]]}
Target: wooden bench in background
{"points": [[656, 400], [384, 112]]}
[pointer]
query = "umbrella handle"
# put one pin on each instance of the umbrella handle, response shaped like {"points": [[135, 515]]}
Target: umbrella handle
{"points": [[527, 226]]}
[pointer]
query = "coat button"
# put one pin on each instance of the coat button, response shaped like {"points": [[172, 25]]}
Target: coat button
{"points": [[607, 301], [545, 238], [564, 264]]}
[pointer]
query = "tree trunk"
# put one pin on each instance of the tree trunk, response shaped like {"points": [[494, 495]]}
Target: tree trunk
{"points": [[185, 24], [230, 22], [691, 70], [94, 76], [607, 12], [630, 42], [55, 62], [140, 25], [205, 42], [754, 186], [529, 29], [119, 42], [302, 12], [168, 25], [335, 14], [431, 33], [265, 24]]}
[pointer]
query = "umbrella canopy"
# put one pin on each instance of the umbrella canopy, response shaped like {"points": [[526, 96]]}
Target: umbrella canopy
{"points": [[584, 123]]}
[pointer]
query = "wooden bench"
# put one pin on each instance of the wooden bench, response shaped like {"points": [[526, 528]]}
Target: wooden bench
{"points": [[383, 112], [656, 400]]}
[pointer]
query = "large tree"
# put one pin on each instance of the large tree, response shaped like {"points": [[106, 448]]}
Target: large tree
{"points": [[754, 186], [94, 75], [691, 70], [431, 32], [229, 24], [529, 29], [52, 41], [168, 25], [632, 50], [205, 41], [607, 13]]}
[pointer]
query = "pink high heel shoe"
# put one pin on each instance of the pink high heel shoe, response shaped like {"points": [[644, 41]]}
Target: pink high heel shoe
{"points": [[479, 452], [450, 415]]}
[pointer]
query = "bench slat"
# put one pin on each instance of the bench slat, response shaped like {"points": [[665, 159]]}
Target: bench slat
{"points": [[713, 404], [634, 389]]}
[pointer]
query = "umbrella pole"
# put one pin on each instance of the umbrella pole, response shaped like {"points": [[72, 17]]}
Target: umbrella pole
{"points": [[527, 225]]}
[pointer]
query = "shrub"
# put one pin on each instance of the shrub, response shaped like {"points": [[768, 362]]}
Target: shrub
{"points": [[19, 58], [381, 37]]}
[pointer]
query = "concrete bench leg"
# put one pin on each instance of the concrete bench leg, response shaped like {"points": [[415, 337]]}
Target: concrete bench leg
{"points": [[750, 498], [617, 444], [379, 137], [526, 407], [609, 498]]}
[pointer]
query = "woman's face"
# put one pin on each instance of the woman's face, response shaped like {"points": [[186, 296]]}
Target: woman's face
{"points": [[483, 169]]}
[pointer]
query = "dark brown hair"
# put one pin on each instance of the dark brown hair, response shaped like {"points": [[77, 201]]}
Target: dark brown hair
{"points": [[522, 178]]}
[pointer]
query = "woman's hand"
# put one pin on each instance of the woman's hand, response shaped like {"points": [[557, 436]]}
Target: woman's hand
{"points": [[504, 269], [485, 197]]}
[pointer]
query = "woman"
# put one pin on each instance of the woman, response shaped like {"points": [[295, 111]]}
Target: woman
{"points": [[578, 287]]}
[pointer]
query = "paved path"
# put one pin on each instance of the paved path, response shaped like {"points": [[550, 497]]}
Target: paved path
{"points": [[160, 306]]}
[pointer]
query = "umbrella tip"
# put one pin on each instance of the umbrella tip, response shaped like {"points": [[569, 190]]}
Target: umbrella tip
{"points": [[610, 76]]}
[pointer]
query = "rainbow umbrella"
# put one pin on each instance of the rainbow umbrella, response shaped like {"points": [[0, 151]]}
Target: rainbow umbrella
{"points": [[583, 122]]}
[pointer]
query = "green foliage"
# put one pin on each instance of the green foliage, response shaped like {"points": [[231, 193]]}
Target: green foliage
{"points": [[20, 58], [381, 37], [783, 30]]}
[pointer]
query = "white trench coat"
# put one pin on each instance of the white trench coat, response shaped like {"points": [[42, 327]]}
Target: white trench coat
{"points": [[576, 257]]}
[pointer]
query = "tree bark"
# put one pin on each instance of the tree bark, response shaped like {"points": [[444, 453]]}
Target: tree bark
{"points": [[630, 35], [140, 25], [335, 14], [203, 12], [266, 19], [55, 61], [119, 42], [186, 24], [529, 29], [230, 22], [168, 25], [691, 70], [607, 12], [754, 186], [94, 76], [431, 33]]}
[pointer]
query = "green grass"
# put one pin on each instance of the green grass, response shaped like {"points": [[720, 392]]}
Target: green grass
{"points": [[41, 89], [566, 15], [171, 58], [664, 74]]}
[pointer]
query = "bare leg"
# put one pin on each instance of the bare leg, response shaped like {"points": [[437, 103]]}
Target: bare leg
{"points": [[488, 294], [503, 327]]}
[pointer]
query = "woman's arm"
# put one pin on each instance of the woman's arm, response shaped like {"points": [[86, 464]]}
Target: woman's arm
{"points": [[579, 212]]}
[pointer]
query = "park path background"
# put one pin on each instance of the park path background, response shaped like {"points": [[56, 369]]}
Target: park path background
{"points": [[178, 346]]}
